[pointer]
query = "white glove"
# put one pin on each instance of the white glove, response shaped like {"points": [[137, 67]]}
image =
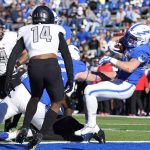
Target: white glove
{"points": [[107, 59], [104, 60]]}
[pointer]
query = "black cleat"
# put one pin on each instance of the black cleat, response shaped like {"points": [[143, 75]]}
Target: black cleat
{"points": [[22, 135], [87, 137], [100, 136], [37, 138]]}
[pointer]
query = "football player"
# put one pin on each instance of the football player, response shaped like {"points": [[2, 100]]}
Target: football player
{"points": [[7, 42], [42, 39], [130, 69], [17, 103]]}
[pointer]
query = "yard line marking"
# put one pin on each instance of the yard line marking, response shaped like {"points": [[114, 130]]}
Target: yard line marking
{"points": [[114, 124], [116, 129], [107, 124], [117, 116], [67, 142]]}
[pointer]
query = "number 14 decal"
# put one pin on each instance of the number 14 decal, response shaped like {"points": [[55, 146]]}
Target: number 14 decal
{"points": [[45, 34]]}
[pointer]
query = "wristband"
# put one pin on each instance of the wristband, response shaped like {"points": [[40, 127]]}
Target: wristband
{"points": [[113, 61]]}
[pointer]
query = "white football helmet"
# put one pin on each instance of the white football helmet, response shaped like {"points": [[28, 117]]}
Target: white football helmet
{"points": [[137, 35], [75, 52]]}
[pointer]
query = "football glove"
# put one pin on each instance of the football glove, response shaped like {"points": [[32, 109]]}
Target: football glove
{"points": [[107, 59], [104, 60], [69, 86]]}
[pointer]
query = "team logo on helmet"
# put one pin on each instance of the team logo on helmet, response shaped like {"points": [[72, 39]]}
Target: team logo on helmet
{"points": [[137, 35]]}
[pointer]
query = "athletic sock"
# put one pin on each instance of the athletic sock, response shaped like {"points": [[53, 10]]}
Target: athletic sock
{"points": [[49, 120], [30, 111], [92, 105]]}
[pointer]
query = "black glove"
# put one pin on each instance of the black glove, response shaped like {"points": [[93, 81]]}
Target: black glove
{"points": [[9, 86], [69, 86], [101, 75]]}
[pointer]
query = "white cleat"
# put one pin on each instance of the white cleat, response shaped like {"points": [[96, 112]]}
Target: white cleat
{"points": [[87, 130]]}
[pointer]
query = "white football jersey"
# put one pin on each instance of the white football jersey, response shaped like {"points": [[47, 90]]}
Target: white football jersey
{"points": [[41, 38], [6, 46]]}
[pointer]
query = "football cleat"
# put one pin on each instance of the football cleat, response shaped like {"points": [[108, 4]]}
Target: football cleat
{"points": [[87, 130], [22, 135], [100, 137], [87, 137], [37, 138]]}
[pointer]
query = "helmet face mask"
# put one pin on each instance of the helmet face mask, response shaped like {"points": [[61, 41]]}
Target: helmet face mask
{"points": [[42, 14], [131, 41]]}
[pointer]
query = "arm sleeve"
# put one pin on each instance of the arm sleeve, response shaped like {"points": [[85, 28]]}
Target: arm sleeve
{"points": [[63, 47], [16, 52]]}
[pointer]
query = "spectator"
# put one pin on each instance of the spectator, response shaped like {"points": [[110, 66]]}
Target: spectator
{"points": [[73, 17], [83, 37], [94, 44], [120, 16], [106, 17], [145, 7], [137, 7], [91, 19], [136, 99], [93, 5], [131, 15], [126, 7], [103, 44], [74, 4], [148, 96]]}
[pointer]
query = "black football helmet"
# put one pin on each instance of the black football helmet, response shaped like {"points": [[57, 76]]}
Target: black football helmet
{"points": [[42, 14]]}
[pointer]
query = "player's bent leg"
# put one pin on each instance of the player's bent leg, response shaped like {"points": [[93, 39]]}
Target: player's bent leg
{"points": [[91, 106], [8, 109], [91, 129], [15, 104]]}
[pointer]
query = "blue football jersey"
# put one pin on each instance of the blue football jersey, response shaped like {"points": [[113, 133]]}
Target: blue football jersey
{"points": [[141, 53], [78, 66]]}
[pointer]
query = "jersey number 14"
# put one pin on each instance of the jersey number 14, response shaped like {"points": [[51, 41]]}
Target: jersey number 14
{"points": [[44, 34]]}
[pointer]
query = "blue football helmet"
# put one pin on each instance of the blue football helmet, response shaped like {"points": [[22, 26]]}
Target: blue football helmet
{"points": [[136, 35], [57, 19], [74, 51]]}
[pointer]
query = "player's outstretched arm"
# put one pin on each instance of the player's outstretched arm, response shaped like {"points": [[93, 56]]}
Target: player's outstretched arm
{"points": [[89, 76]]}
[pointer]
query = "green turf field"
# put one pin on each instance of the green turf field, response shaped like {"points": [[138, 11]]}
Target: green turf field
{"points": [[123, 128], [119, 128]]}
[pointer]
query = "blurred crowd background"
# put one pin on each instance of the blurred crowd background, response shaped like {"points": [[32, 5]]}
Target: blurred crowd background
{"points": [[94, 23]]}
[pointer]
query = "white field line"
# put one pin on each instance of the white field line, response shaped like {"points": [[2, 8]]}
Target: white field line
{"points": [[116, 129], [69, 142], [125, 124], [116, 124], [121, 130], [117, 116]]}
